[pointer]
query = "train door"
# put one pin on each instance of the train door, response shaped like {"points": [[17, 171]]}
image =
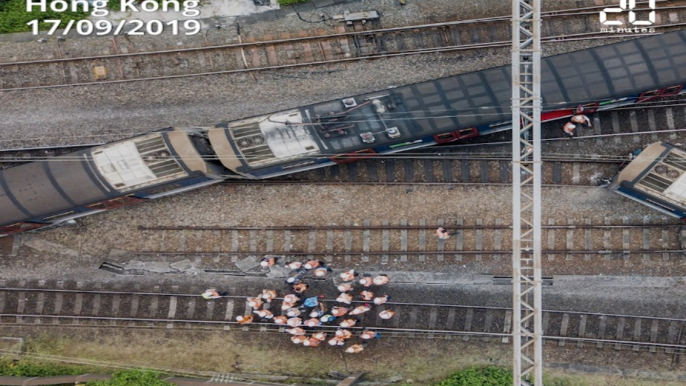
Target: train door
{"points": [[659, 93]]}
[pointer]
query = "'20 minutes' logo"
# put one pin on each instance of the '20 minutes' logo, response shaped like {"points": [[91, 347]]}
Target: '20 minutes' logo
{"points": [[632, 15]]}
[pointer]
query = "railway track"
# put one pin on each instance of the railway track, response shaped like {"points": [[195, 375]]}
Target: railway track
{"points": [[308, 49], [60, 305], [594, 242], [438, 170]]}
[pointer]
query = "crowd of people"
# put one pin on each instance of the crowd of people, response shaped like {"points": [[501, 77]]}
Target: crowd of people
{"points": [[300, 313]]}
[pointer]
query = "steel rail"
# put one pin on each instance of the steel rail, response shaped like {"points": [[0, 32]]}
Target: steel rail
{"points": [[243, 297], [456, 157], [581, 137], [444, 252], [392, 227], [392, 183], [558, 13], [48, 148], [571, 37], [270, 328]]}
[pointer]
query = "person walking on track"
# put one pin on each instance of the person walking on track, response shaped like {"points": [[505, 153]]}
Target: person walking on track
{"points": [[568, 129], [442, 234]]}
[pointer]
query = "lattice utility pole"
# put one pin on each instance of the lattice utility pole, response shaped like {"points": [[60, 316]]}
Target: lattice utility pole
{"points": [[526, 192]]}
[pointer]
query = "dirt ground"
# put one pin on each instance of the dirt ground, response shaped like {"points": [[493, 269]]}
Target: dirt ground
{"points": [[415, 361]]}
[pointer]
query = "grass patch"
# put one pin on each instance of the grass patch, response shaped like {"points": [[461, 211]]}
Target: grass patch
{"points": [[13, 16], [478, 376], [31, 368], [291, 2], [132, 377]]}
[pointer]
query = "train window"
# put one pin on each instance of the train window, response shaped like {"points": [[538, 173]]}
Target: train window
{"points": [[648, 95], [590, 108], [350, 157], [671, 90], [446, 137], [468, 133]]}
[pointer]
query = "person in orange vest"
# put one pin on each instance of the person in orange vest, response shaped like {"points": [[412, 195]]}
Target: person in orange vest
{"points": [[338, 311], [348, 323], [295, 331], [568, 129], [312, 342], [254, 302], [298, 339], [359, 310], [369, 334], [344, 334], [312, 322], [268, 295], [264, 314], [294, 322], [354, 349], [336, 341], [244, 319]]}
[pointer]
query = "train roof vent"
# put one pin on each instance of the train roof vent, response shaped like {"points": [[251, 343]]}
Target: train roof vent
{"points": [[676, 161], [157, 157]]}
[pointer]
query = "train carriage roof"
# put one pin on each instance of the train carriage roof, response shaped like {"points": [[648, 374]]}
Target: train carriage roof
{"points": [[615, 70], [480, 98], [596, 74], [52, 186]]}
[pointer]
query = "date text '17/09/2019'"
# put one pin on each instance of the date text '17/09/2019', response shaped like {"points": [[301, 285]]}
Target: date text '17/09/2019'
{"points": [[98, 8]]}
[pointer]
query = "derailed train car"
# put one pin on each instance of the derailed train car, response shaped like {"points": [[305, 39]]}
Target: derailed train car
{"points": [[449, 109], [91, 181], [656, 178], [393, 120]]}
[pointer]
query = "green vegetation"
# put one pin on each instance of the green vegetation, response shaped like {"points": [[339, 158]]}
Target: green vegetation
{"points": [[13, 16], [30, 368], [478, 376], [290, 2], [132, 377]]}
